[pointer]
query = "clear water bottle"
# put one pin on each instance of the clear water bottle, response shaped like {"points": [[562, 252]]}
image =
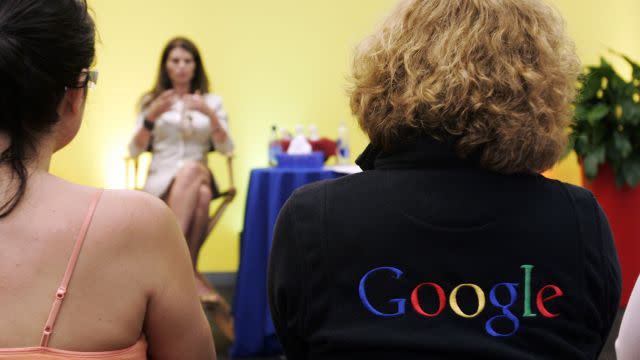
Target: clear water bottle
{"points": [[342, 145], [275, 147], [313, 133]]}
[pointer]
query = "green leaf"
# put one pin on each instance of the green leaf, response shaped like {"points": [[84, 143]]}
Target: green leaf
{"points": [[591, 83], [593, 160], [580, 113], [622, 144], [631, 171], [603, 69], [620, 87], [597, 112], [613, 155], [599, 133], [630, 112], [601, 154], [580, 143]]}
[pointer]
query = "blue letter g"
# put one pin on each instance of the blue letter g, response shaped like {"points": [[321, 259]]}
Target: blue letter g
{"points": [[506, 313], [367, 304]]}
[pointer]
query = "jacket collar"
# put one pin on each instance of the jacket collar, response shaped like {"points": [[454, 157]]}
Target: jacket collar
{"points": [[424, 152]]}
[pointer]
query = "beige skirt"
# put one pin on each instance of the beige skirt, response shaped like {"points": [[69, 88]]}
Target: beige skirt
{"points": [[159, 183]]}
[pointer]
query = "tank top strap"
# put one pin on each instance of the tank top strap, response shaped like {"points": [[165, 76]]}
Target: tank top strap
{"points": [[62, 289]]}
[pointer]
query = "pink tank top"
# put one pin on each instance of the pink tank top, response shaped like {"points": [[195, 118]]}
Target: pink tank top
{"points": [[137, 351]]}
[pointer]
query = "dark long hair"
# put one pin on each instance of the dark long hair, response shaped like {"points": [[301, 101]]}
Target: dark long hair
{"points": [[200, 80], [44, 46]]}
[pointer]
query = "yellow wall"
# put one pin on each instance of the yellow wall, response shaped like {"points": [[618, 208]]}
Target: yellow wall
{"points": [[274, 62]]}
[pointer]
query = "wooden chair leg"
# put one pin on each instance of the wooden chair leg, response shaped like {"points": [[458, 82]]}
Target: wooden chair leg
{"points": [[220, 308], [213, 220]]}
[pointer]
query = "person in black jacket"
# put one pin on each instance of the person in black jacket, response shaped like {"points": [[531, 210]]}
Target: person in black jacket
{"points": [[450, 245]]}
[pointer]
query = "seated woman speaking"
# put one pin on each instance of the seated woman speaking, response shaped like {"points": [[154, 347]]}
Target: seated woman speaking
{"points": [[181, 121], [450, 245]]}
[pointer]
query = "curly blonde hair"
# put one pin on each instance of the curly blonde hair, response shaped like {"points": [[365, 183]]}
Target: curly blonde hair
{"points": [[496, 76]]}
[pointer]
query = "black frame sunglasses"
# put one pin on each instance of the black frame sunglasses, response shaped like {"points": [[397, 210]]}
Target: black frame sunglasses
{"points": [[89, 82]]}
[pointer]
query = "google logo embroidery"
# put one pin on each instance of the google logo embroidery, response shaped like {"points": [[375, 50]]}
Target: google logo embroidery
{"points": [[544, 294]]}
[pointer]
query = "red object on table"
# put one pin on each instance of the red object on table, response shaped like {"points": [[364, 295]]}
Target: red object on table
{"points": [[622, 207], [326, 146]]}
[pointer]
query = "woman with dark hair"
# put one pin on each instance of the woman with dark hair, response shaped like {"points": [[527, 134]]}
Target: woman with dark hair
{"points": [[181, 122], [450, 245], [78, 270]]}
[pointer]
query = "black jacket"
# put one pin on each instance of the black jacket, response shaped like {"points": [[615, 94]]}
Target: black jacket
{"points": [[426, 256]]}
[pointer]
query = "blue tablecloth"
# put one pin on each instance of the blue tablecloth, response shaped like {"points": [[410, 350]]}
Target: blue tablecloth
{"points": [[268, 191]]}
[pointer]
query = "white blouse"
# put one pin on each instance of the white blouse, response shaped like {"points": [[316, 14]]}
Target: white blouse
{"points": [[180, 136]]}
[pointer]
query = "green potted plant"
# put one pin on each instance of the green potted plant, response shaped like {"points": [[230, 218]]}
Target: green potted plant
{"points": [[606, 137], [607, 123]]}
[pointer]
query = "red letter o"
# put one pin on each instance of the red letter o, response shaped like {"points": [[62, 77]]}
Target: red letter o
{"points": [[416, 303]]}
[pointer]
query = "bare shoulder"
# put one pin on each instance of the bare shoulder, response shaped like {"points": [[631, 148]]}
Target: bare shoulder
{"points": [[124, 203], [136, 231], [126, 222], [118, 211], [136, 215]]}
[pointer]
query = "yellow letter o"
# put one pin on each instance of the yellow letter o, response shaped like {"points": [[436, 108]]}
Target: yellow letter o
{"points": [[454, 301]]}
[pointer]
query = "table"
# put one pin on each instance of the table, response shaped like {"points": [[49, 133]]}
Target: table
{"points": [[268, 191]]}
